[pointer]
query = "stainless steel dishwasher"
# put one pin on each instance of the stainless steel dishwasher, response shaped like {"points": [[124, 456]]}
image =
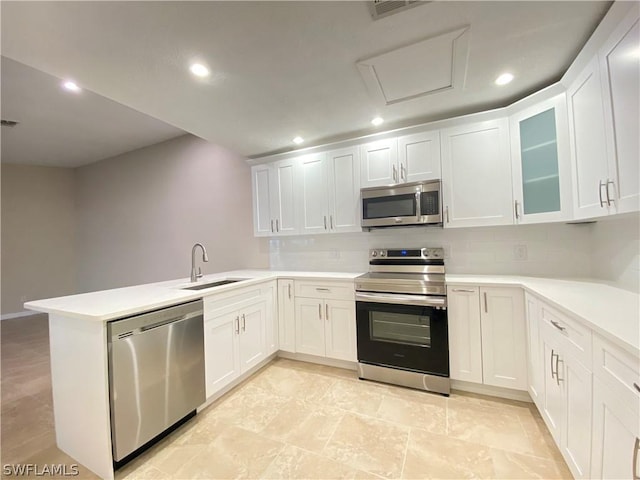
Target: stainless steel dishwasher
{"points": [[156, 374]]}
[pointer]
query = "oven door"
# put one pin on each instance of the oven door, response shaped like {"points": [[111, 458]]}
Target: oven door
{"points": [[410, 337]]}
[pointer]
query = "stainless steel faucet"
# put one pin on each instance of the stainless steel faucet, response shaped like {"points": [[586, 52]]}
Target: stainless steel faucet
{"points": [[205, 258]]}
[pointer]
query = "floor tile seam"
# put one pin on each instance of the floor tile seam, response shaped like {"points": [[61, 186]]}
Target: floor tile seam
{"points": [[335, 429], [273, 460], [404, 456], [533, 457], [149, 462], [389, 422], [485, 445]]}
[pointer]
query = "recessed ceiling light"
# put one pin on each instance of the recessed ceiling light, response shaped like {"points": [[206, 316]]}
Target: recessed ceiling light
{"points": [[199, 70], [71, 86], [298, 140], [504, 79], [377, 121]]}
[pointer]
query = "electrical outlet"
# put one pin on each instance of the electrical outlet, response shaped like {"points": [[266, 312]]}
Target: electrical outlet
{"points": [[520, 252]]}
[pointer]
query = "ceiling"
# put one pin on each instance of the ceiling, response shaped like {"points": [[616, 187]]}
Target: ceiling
{"points": [[66, 129], [286, 69]]}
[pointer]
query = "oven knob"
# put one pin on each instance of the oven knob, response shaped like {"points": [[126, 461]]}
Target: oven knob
{"points": [[374, 253], [383, 253]]}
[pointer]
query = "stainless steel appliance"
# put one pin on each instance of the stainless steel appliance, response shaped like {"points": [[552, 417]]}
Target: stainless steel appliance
{"points": [[417, 203], [401, 317], [156, 374]]}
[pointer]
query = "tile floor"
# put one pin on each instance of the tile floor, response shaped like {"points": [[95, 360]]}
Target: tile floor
{"points": [[295, 420]]}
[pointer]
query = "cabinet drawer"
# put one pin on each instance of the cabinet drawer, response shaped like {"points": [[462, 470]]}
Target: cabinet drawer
{"points": [[329, 290], [576, 338], [213, 304], [618, 369]]}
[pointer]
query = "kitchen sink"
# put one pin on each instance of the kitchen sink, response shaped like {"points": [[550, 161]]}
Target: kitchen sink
{"points": [[217, 283]]}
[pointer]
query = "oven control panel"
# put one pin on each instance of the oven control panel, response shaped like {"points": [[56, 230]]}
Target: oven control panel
{"points": [[408, 253]]}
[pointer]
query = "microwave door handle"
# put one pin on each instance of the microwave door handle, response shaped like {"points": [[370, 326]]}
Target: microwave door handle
{"points": [[418, 212]]}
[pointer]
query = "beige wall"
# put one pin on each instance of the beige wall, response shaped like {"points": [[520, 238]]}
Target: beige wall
{"points": [[38, 229], [140, 213]]}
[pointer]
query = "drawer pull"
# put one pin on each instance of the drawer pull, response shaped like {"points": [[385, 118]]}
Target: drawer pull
{"points": [[558, 326], [637, 387], [635, 459], [464, 290], [323, 290]]}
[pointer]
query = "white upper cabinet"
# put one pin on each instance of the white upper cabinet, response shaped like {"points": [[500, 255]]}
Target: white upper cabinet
{"points": [[344, 189], [620, 73], [588, 144], [541, 162], [274, 190], [476, 174], [419, 157], [379, 163], [603, 110], [314, 194], [410, 158], [329, 192]]}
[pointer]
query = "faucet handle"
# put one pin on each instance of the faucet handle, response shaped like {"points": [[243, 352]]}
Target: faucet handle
{"points": [[199, 275]]}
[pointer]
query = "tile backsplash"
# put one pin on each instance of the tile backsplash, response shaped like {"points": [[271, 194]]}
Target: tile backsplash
{"points": [[558, 250]]}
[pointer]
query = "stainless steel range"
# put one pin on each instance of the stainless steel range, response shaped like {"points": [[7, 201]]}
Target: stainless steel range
{"points": [[401, 315]]}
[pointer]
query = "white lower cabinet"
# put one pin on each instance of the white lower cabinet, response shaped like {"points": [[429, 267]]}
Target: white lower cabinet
{"points": [[286, 316], [503, 337], [566, 389], [325, 323], [236, 334], [535, 370], [326, 328], [615, 435], [487, 336], [465, 336]]}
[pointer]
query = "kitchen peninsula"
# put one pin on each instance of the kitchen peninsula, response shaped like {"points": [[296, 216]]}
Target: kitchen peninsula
{"points": [[79, 356]]}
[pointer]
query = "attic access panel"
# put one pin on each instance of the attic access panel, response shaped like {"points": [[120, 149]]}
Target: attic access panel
{"points": [[423, 68]]}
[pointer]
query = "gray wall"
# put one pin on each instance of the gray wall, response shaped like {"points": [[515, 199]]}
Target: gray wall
{"points": [[140, 213], [38, 234]]}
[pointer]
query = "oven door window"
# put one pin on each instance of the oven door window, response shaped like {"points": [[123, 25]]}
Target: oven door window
{"points": [[400, 328], [386, 207]]}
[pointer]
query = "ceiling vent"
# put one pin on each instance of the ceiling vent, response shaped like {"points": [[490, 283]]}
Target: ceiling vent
{"points": [[384, 8], [8, 123]]}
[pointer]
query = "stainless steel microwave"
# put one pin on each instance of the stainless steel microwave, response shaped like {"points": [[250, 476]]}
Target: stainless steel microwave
{"points": [[416, 203]]}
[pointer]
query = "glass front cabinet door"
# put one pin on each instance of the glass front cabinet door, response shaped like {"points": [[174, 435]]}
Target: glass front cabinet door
{"points": [[541, 162]]}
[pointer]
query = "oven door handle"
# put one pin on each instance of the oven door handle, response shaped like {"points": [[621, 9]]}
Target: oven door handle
{"points": [[419, 300]]}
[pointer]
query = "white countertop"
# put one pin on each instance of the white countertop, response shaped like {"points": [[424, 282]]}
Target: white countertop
{"points": [[611, 311], [108, 305]]}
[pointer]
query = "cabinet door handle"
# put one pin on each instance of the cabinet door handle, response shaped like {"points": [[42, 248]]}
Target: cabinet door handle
{"points": [[402, 174], [600, 193], [553, 354], [636, 386], [465, 290], [613, 197], [558, 361], [277, 225], [446, 213], [320, 311], [395, 173], [516, 209], [558, 326], [289, 288], [635, 459], [326, 311], [244, 323], [325, 222], [331, 221], [272, 225], [237, 322], [486, 305]]}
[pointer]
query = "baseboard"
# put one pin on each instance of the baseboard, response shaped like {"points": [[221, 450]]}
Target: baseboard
{"points": [[508, 393], [330, 362], [26, 313]]}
